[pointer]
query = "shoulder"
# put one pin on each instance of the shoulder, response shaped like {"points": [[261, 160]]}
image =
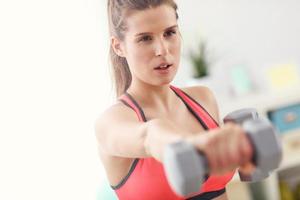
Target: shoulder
{"points": [[114, 114], [201, 93], [206, 98]]}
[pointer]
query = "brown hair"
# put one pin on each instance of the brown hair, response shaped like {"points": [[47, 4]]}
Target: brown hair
{"points": [[117, 10]]}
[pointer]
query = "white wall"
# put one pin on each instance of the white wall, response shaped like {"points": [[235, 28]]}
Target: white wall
{"points": [[53, 84], [256, 34]]}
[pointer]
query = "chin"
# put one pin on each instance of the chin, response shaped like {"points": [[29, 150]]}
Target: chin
{"points": [[164, 82]]}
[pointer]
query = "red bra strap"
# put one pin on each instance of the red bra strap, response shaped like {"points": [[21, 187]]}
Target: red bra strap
{"points": [[130, 102], [201, 112]]}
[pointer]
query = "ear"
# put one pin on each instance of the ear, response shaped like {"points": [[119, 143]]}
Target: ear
{"points": [[117, 46]]}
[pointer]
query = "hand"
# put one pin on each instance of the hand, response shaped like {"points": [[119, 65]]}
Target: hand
{"points": [[225, 148]]}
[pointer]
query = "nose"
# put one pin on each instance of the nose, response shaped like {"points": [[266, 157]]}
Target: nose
{"points": [[161, 48]]}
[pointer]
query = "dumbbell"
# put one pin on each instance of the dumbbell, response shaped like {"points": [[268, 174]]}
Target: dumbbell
{"points": [[186, 168], [239, 117]]}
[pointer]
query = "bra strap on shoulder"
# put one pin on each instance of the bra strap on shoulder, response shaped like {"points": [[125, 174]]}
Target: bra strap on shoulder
{"points": [[133, 105], [201, 112]]}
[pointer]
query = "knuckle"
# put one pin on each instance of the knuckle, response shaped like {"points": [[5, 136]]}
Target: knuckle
{"points": [[211, 142], [229, 126]]}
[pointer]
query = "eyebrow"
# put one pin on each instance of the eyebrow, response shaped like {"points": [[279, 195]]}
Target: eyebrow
{"points": [[146, 33]]}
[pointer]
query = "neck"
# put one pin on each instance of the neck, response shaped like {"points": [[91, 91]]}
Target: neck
{"points": [[157, 97]]}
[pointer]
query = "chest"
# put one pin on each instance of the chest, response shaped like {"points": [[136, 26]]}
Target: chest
{"points": [[182, 117]]}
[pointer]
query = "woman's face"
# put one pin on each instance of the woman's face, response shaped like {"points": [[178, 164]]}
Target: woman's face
{"points": [[152, 45]]}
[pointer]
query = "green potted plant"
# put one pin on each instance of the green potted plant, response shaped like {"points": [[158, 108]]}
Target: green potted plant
{"points": [[201, 64], [200, 61]]}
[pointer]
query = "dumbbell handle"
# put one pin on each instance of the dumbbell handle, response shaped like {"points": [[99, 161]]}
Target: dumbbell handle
{"points": [[240, 116], [182, 161], [182, 149], [273, 153]]}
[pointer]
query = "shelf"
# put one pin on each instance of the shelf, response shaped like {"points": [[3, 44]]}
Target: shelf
{"points": [[263, 102], [290, 142], [291, 150]]}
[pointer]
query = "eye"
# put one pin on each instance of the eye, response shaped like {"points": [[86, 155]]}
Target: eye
{"points": [[145, 38], [169, 33]]}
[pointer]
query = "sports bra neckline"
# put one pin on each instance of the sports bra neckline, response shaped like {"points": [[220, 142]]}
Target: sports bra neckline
{"points": [[141, 109], [183, 96]]}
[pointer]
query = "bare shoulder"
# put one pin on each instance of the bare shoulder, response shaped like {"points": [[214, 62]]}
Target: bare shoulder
{"points": [[114, 114], [120, 133], [206, 98], [116, 148]]}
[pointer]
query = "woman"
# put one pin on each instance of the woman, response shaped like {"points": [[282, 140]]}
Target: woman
{"points": [[150, 113]]}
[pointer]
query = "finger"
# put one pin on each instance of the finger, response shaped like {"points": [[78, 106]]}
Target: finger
{"points": [[226, 140], [246, 150], [223, 153], [234, 152], [212, 150], [247, 168]]}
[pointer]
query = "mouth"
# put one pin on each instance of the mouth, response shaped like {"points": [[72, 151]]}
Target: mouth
{"points": [[163, 66]]}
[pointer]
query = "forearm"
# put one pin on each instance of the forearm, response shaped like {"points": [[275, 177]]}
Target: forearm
{"points": [[159, 133]]}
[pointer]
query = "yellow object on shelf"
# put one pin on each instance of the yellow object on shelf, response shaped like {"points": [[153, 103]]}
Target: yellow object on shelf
{"points": [[285, 191], [283, 76]]}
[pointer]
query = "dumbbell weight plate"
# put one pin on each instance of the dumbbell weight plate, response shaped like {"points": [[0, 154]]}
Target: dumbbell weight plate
{"points": [[185, 167]]}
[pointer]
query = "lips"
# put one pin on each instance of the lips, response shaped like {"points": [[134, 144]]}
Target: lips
{"points": [[163, 66]]}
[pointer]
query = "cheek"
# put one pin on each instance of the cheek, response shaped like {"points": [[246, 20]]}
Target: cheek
{"points": [[176, 47], [141, 55]]}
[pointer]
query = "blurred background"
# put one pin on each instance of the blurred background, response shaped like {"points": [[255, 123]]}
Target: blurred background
{"points": [[55, 81]]}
